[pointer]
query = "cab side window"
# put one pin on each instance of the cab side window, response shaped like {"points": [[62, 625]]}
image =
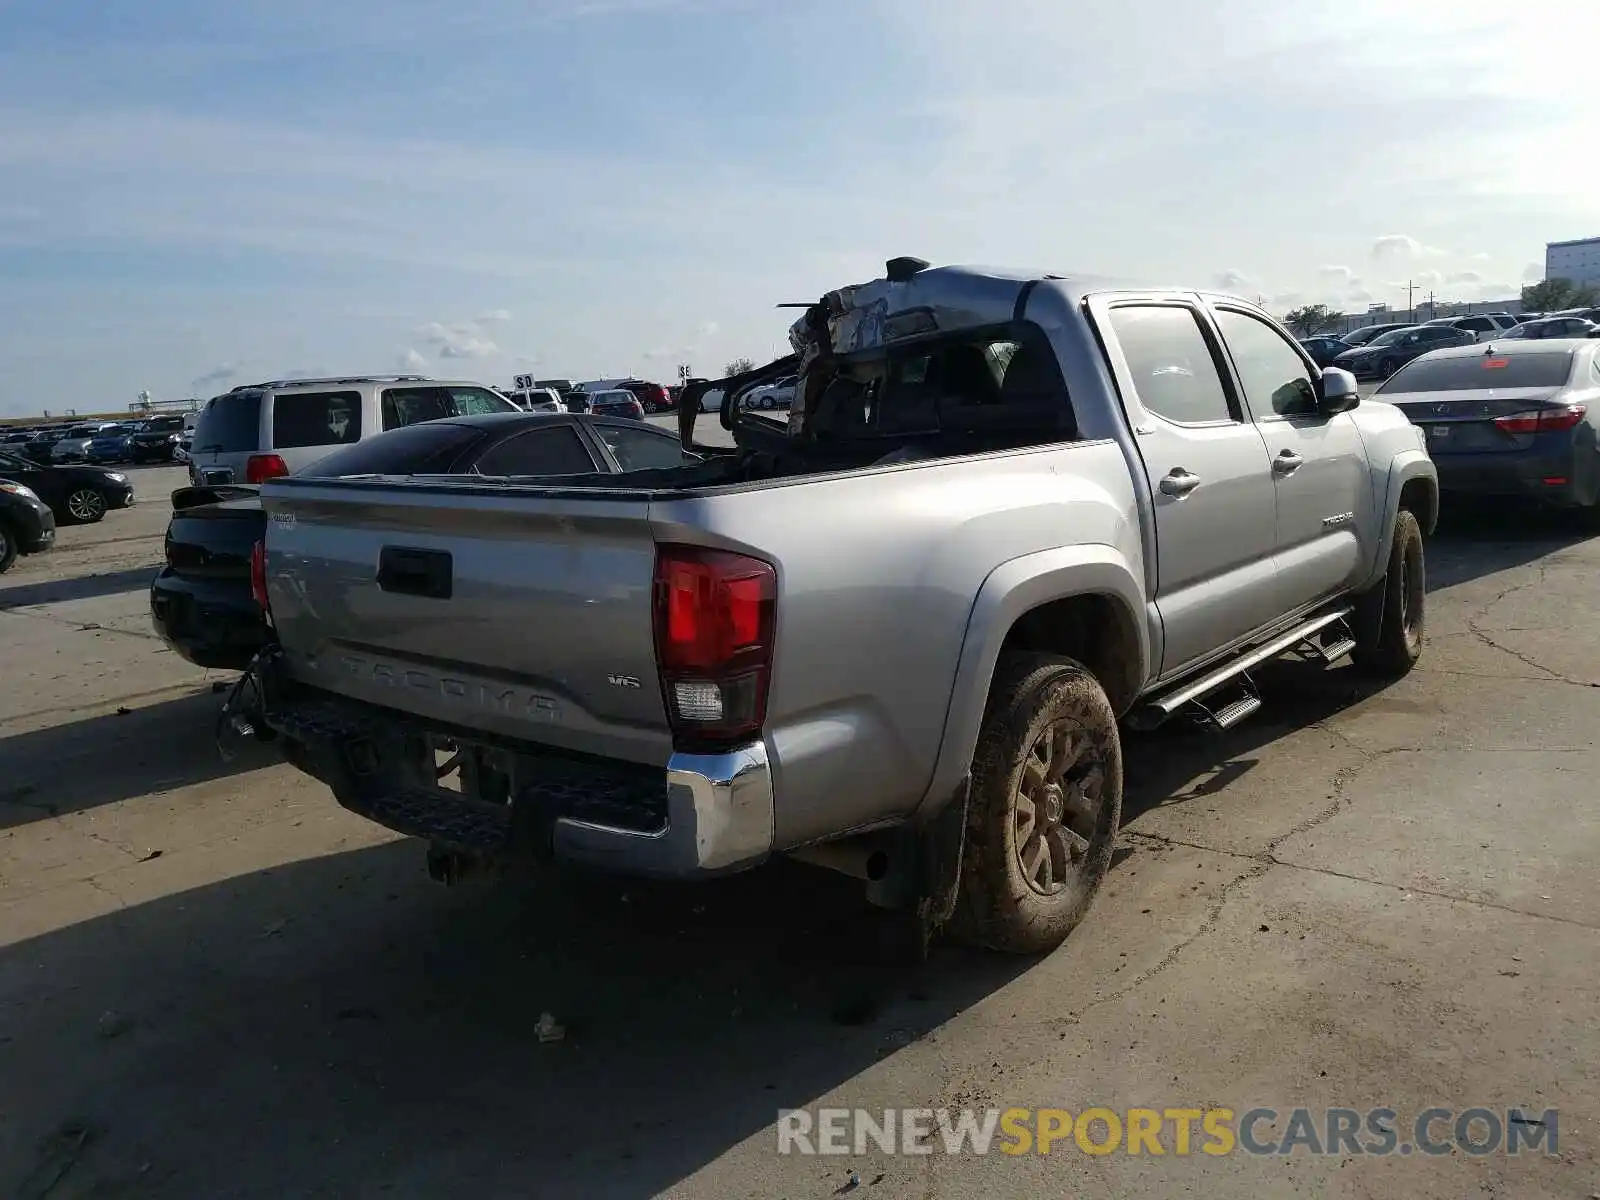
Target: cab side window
{"points": [[1171, 363], [1274, 377]]}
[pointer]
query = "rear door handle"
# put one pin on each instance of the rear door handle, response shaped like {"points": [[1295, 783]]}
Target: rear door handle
{"points": [[406, 571], [1286, 463], [1179, 482]]}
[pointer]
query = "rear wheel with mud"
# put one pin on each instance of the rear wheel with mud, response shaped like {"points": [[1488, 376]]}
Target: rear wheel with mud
{"points": [[1044, 808]]}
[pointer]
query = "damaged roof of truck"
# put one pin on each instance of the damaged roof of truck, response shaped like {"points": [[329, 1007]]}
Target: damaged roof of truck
{"points": [[914, 298]]}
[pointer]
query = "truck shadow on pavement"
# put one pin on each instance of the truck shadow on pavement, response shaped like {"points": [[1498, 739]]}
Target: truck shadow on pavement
{"points": [[342, 1026], [78, 587], [1182, 761], [120, 755]]}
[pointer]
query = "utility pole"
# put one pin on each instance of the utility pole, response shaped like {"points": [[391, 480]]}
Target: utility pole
{"points": [[1411, 290]]}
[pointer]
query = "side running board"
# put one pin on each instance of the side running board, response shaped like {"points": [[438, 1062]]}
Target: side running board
{"points": [[1326, 637]]}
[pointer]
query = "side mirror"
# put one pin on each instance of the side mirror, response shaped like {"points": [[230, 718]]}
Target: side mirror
{"points": [[1337, 392]]}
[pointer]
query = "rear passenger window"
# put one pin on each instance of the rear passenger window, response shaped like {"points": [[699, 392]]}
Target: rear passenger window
{"points": [[553, 450], [229, 424], [640, 450], [407, 406], [470, 401], [1274, 376], [315, 419], [1171, 363]]}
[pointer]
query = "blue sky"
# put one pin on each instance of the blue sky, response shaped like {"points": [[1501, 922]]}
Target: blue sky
{"points": [[194, 194]]}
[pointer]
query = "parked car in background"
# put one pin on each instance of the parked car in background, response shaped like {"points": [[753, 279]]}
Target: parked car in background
{"points": [[1551, 327], [157, 439], [27, 525], [74, 447], [778, 394], [15, 437], [113, 444], [201, 602], [78, 495], [1324, 349], [1520, 417], [263, 430], [652, 396], [618, 402], [1388, 352], [1365, 334], [1482, 326], [540, 399], [39, 446]]}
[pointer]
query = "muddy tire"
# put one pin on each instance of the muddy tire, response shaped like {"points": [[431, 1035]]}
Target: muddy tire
{"points": [[1044, 806], [8, 548], [1390, 615]]}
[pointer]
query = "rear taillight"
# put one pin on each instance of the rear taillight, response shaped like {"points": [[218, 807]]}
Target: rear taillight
{"points": [[715, 613], [258, 575], [259, 468], [1544, 420]]}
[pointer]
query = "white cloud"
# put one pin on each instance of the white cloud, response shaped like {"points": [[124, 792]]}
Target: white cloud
{"points": [[1335, 274], [1481, 256], [1498, 291], [494, 316], [1533, 272], [1358, 296], [411, 360], [464, 340], [1392, 246], [1233, 280], [218, 376], [1428, 278], [709, 328], [1465, 277]]}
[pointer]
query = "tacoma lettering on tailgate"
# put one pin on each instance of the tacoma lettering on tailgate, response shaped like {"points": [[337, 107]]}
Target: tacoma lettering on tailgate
{"points": [[457, 692]]}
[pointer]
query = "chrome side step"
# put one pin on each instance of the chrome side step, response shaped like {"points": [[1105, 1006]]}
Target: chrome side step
{"points": [[1246, 702], [1306, 634]]}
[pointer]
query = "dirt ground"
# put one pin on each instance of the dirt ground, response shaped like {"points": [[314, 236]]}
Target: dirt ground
{"points": [[213, 982]]}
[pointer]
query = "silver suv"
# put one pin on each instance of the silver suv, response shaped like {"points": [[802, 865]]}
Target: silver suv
{"points": [[263, 430]]}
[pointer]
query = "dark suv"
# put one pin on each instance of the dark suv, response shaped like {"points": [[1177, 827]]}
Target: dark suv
{"points": [[157, 440]]}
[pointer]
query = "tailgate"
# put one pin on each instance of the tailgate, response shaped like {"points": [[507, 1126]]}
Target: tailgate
{"points": [[516, 610]]}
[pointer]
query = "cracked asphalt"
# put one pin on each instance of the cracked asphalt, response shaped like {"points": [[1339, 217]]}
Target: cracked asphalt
{"points": [[215, 983]]}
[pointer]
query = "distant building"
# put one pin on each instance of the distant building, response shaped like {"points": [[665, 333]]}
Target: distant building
{"points": [[1578, 261]]}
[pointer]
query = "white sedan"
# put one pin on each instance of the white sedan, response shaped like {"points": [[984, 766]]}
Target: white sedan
{"points": [[773, 395]]}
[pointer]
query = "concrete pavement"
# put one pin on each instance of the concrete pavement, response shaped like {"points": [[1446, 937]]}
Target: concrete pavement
{"points": [[214, 982]]}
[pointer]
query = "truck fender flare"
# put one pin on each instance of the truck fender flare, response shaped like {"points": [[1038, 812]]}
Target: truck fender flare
{"points": [[1406, 467], [1012, 589]]}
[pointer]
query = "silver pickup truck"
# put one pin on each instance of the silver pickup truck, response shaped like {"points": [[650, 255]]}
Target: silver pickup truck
{"points": [[895, 632]]}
